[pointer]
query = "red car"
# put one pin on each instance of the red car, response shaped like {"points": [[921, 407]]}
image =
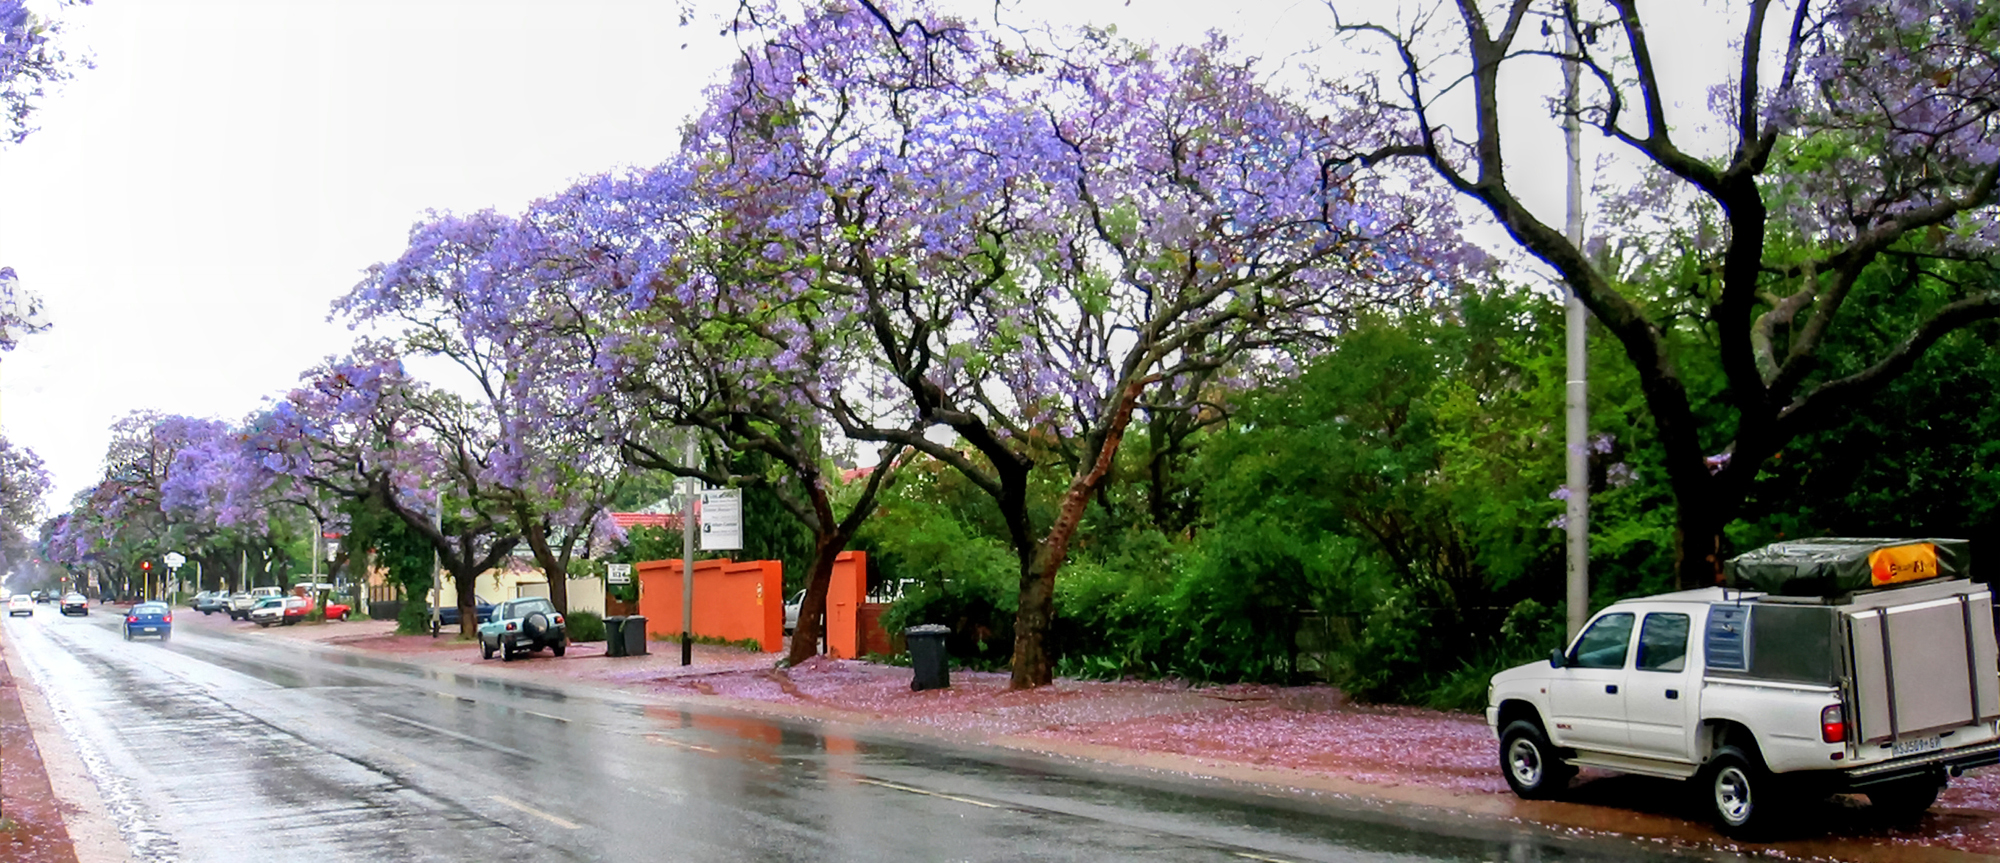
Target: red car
{"points": [[337, 611]]}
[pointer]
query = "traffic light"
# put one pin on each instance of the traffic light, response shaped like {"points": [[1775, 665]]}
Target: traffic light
{"points": [[146, 565]]}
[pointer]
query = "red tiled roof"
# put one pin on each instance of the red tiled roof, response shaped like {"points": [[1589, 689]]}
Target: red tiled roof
{"points": [[668, 520]]}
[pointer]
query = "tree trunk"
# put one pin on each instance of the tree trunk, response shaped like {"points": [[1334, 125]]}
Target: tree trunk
{"points": [[812, 609], [468, 602], [1034, 618], [553, 567]]}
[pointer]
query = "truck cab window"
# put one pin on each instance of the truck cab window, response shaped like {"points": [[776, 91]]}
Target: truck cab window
{"points": [[1663, 642], [1603, 644]]}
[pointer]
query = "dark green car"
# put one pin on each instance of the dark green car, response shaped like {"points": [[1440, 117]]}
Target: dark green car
{"points": [[523, 626]]}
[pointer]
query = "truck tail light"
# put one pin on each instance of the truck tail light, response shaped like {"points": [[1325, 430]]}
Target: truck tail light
{"points": [[558, 620], [1833, 725], [510, 627]]}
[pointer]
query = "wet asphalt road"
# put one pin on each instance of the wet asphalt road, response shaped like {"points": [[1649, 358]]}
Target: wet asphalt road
{"points": [[230, 747]]}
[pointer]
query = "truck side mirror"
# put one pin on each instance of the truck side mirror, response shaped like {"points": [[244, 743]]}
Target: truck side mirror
{"points": [[1556, 659]]}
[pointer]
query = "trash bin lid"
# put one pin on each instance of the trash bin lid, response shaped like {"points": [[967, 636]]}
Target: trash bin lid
{"points": [[928, 629]]}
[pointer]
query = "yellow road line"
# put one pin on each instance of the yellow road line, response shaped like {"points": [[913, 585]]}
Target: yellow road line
{"points": [[566, 825], [928, 793]]}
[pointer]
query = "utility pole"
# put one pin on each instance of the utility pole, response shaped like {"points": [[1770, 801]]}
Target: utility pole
{"points": [[1576, 397], [687, 559]]}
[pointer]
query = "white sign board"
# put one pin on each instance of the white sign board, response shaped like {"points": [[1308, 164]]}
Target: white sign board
{"points": [[174, 559], [722, 520], [618, 573]]}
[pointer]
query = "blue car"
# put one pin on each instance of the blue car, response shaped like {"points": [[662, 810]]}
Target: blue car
{"points": [[150, 618], [448, 615]]}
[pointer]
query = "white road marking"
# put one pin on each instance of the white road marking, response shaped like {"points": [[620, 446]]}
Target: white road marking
{"points": [[457, 736], [546, 716], [566, 825], [894, 786], [450, 697], [655, 738], [1249, 856]]}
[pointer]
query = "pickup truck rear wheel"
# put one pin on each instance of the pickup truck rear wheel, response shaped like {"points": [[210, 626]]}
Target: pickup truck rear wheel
{"points": [[562, 644], [1530, 762], [1904, 802], [1741, 794]]}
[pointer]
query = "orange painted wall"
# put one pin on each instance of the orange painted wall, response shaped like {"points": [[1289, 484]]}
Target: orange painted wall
{"points": [[733, 601], [844, 594]]}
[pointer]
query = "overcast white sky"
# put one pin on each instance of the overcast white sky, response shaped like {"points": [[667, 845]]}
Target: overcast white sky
{"points": [[193, 204]]}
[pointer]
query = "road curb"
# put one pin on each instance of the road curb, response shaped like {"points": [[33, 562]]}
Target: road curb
{"points": [[82, 833]]}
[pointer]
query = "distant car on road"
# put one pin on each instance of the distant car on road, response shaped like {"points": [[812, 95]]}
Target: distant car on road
{"points": [[75, 603], [150, 618], [20, 604], [43, 596], [523, 626]]}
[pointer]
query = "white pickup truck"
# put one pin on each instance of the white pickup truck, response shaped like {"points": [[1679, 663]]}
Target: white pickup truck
{"points": [[1866, 667]]}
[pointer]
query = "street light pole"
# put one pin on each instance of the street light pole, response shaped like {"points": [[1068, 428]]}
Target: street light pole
{"points": [[1576, 396], [687, 560]]}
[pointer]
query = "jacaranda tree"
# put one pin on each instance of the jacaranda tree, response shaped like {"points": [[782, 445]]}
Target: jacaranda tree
{"points": [[1030, 241], [1857, 152]]}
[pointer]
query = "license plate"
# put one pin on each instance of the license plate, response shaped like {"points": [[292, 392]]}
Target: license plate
{"points": [[1917, 745]]}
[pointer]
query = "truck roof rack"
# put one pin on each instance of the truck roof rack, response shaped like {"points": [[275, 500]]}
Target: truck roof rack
{"points": [[1834, 567]]}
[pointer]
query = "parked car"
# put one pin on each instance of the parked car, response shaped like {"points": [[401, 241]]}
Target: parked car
{"points": [[75, 603], [1781, 687], [150, 618], [338, 610], [268, 611], [20, 604], [448, 615], [523, 626], [211, 601], [792, 611], [239, 604]]}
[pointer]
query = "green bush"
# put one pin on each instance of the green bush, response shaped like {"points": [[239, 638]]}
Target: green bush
{"points": [[968, 582], [585, 626]]}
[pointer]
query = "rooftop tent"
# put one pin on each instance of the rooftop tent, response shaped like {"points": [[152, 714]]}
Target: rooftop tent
{"points": [[1831, 566]]}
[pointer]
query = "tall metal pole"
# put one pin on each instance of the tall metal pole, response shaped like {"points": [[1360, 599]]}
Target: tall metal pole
{"points": [[437, 518], [687, 560], [1576, 401]]}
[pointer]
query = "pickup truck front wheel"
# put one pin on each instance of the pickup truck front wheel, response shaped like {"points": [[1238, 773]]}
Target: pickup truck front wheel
{"points": [[1741, 793], [1530, 762]]}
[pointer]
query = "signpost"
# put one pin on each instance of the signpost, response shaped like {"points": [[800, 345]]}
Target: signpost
{"points": [[722, 520], [618, 573], [173, 560]]}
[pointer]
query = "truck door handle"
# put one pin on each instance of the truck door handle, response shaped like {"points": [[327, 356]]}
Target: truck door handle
{"points": [[1611, 689], [1673, 694]]}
